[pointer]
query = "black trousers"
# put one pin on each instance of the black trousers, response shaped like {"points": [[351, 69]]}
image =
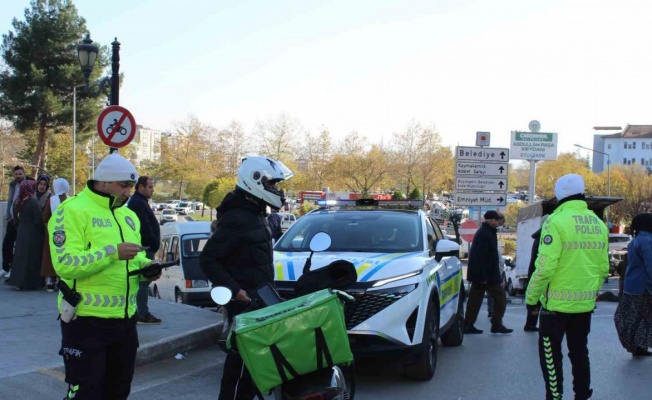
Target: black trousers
{"points": [[236, 381], [476, 295], [100, 356], [8, 246], [552, 328]]}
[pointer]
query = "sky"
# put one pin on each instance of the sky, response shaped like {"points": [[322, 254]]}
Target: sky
{"points": [[373, 66]]}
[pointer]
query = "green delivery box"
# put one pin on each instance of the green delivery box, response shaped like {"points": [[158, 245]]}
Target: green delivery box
{"points": [[286, 340]]}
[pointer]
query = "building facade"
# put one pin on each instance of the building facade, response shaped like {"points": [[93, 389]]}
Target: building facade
{"points": [[146, 145], [631, 146]]}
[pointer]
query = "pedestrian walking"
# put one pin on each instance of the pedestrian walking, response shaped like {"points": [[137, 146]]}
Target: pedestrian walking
{"points": [[95, 244], [12, 228], [26, 267], [150, 236], [239, 255], [571, 265], [60, 187], [633, 316], [532, 317], [484, 274]]}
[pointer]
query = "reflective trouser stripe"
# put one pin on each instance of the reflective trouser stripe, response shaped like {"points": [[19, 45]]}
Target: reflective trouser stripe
{"points": [[550, 365], [72, 391]]}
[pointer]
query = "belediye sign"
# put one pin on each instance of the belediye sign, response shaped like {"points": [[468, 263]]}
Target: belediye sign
{"points": [[533, 146], [482, 154]]}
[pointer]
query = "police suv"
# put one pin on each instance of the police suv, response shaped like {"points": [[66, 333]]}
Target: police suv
{"points": [[410, 291]]}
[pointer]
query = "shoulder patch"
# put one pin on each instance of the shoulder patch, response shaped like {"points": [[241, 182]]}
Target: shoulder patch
{"points": [[130, 222], [59, 238], [547, 239]]}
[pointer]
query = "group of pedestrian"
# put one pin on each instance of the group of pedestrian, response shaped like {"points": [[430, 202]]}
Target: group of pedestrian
{"points": [[27, 264]]}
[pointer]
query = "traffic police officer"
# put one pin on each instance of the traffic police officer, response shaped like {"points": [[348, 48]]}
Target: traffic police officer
{"points": [[94, 243], [571, 265]]}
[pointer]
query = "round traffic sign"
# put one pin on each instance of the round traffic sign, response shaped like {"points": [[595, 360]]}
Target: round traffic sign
{"points": [[467, 230], [116, 126]]}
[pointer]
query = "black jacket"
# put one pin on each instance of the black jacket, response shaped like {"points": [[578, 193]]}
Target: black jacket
{"points": [[239, 254], [150, 230], [483, 257], [535, 252]]}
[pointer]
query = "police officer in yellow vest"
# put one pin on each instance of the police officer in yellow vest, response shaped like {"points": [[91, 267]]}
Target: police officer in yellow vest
{"points": [[571, 265], [94, 244]]}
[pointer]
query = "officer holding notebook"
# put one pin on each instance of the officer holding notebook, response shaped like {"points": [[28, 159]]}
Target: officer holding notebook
{"points": [[239, 254], [95, 247]]}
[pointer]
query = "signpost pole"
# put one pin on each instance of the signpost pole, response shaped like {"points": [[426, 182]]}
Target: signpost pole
{"points": [[115, 80], [533, 173]]}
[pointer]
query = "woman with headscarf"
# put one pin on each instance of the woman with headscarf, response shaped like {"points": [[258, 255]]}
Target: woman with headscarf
{"points": [[26, 268], [42, 191], [633, 316], [60, 188]]}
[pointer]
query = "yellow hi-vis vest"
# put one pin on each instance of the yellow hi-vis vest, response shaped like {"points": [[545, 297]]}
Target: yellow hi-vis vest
{"points": [[573, 260], [84, 237]]}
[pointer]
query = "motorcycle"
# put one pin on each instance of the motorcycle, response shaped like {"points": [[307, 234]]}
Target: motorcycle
{"points": [[335, 383]]}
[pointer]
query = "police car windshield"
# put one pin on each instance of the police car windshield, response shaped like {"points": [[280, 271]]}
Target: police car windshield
{"points": [[357, 231]]}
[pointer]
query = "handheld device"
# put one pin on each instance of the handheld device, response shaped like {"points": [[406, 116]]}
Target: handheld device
{"points": [[268, 295], [153, 267]]}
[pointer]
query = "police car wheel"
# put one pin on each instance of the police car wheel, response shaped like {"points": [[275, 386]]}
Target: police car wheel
{"points": [[454, 336], [423, 367]]}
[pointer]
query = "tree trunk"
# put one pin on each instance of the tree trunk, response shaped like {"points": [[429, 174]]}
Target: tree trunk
{"points": [[180, 186], [41, 146]]}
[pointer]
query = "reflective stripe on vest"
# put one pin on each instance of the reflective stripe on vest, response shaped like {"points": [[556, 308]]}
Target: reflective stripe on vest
{"points": [[99, 300], [574, 295]]}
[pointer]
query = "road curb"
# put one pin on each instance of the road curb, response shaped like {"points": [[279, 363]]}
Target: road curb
{"points": [[171, 346], [162, 349]]}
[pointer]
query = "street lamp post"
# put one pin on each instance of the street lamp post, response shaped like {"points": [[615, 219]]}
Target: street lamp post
{"points": [[87, 53], [606, 211]]}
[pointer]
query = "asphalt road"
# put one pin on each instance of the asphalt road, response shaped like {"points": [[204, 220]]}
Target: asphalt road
{"points": [[487, 367]]}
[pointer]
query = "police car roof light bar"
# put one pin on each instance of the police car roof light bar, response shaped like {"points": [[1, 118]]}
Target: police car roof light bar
{"points": [[324, 204]]}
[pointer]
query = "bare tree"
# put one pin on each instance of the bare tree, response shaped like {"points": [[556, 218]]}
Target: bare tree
{"points": [[278, 138]]}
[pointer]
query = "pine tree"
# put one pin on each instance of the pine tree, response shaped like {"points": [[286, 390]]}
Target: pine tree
{"points": [[41, 68]]}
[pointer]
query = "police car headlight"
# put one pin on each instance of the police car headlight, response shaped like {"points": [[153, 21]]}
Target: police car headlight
{"points": [[383, 282], [400, 290]]}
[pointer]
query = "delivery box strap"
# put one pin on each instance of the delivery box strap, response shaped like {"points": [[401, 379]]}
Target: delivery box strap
{"points": [[282, 364]]}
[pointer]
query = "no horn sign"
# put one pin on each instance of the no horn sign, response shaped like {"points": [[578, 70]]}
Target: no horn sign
{"points": [[116, 126]]}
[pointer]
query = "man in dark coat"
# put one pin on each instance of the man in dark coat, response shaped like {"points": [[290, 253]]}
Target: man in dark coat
{"points": [[150, 236], [239, 254], [484, 274], [12, 225]]}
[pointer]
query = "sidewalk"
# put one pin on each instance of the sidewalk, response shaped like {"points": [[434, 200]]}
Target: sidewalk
{"points": [[31, 334]]}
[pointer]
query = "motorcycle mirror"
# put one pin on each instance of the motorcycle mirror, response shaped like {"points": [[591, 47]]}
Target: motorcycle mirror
{"points": [[221, 295], [320, 242]]}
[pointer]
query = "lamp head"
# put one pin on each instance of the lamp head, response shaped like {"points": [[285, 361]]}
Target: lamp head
{"points": [[87, 53]]}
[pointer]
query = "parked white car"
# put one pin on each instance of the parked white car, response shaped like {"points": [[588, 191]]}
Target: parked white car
{"points": [[618, 241], [185, 282], [184, 208], [168, 215]]}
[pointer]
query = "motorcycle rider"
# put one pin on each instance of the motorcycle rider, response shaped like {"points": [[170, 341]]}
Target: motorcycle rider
{"points": [[239, 254]]}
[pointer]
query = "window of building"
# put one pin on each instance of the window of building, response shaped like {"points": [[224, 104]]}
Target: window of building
{"points": [[624, 145], [609, 146], [642, 161], [633, 161], [624, 161], [634, 145]]}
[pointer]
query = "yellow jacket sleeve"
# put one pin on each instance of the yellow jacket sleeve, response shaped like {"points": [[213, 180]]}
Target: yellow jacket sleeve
{"points": [[546, 263], [70, 257]]}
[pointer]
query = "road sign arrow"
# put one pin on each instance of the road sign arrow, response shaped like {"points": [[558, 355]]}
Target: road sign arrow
{"points": [[500, 199], [502, 169], [502, 155], [501, 184]]}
